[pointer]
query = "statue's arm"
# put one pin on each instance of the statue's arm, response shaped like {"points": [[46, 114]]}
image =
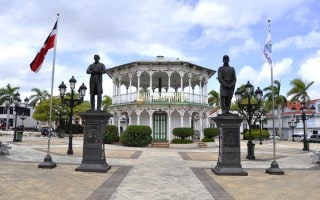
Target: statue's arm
{"points": [[89, 70]]}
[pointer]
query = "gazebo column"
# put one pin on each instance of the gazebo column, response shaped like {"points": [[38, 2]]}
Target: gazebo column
{"points": [[129, 115], [169, 123], [205, 92], [114, 90], [201, 127], [150, 85], [119, 123], [138, 112], [200, 90], [181, 112], [130, 87], [169, 84], [190, 76], [119, 90], [190, 117], [150, 117], [138, 88]]}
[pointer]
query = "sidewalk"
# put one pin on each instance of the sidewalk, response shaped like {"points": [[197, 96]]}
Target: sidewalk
{"points": [[155, 173]]}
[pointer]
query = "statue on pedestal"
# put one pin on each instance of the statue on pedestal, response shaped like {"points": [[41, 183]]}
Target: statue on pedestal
{"points": [[96, 70], [227, 79]]}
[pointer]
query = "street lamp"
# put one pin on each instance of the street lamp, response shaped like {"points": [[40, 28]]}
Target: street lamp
{"points": [[72, 102], [304, 116], [293, 121], [26, 101], [260, 116], [248, 110]]}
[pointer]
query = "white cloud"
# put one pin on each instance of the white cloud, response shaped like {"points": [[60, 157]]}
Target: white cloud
{"points": [[310, 40], [261, 77], [119, 30], [309, 71]]}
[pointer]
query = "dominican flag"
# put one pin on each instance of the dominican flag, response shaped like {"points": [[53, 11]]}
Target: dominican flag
{"points": [[35, 65], [267, 50]]}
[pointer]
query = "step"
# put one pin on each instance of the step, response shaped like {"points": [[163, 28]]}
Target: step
{"points": [[202, 144], [160, 144]]}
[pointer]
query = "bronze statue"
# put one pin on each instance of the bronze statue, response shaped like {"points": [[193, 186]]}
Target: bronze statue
{"points": [[227, 78], [96, 70]]}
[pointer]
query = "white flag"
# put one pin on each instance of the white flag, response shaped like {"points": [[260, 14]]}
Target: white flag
{"points": [[267, 49]]}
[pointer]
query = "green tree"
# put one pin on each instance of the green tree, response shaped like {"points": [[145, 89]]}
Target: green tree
{"points": [[280, 101], [214, 98], [299, 91], [39, 96], [106, 101], [7, 91]]}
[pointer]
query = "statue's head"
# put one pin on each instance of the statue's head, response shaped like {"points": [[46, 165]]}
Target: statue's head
{"points": [[225, 59], [96, 57]]}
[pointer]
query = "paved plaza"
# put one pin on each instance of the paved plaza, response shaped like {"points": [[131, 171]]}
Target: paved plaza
{"points": [[154, 173]]}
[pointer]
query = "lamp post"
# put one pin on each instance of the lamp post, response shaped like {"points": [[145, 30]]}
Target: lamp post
{"points": [[248, 109], [304, 116], [16, 102], [293, 123], [23, 117], [261, 120], [72, 102]]}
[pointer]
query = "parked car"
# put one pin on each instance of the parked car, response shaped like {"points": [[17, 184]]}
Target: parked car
{"points": [[276, 137], [314, 138], [45, 131], [297, 137]]}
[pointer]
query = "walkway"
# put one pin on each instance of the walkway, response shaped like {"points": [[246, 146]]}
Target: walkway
{"points": [[154, 173]]}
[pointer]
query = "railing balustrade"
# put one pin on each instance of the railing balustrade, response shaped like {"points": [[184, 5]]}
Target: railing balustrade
{"points": [[165, 97]]}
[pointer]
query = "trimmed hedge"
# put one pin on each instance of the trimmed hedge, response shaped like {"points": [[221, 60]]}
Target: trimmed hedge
{"points": [[209, 134], [111, 134], [136, 135], [183, 132], [255, 134], [181, 141]]}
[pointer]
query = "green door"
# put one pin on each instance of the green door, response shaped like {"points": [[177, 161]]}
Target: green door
{"points": [[160, 126]]}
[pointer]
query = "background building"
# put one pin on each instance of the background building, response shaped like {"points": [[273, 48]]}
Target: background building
{"points": [[162, 94]]}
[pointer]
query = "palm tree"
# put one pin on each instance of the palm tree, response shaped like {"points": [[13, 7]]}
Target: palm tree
{"points": [[7, 91], [280, 101], [107, 101], [4, 93], [39, 96], [299, 91], [214, 98]]}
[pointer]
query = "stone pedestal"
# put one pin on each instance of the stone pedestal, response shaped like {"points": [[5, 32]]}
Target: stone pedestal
{"points": [[229, 161], [93, 156]]}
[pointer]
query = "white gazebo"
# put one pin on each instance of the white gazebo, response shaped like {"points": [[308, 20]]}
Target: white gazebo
{"points": [[163, 94]]}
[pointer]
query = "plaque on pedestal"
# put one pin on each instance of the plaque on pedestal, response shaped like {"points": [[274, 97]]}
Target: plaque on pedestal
{"points": [[93, 156], [229, 161]]}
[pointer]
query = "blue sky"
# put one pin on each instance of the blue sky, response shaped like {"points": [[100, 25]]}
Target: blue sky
{"points": [[123, 31]]}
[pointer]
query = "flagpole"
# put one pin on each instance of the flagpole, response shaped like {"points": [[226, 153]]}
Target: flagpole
{"points": [[274, 168], [48, 163]]}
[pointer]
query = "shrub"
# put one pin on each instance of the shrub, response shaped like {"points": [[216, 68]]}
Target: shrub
{"points": [[255, 134], [111, 134], [183, 132], [181, 141], [205, 139], [209, 134], [136, 135]]}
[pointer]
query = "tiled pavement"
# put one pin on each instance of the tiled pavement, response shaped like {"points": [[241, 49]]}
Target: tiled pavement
{"points": [[155, 173]]}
